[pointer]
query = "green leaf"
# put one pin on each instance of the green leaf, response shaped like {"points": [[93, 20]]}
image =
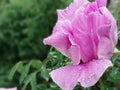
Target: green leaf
{"points": [[41, 86], [116, 53], [53, 85], [101, 84], [14, 69], [36, 64], [30, 79], [114, 75], [33, 81], [88, 88], [45, 73], [24, 73]]}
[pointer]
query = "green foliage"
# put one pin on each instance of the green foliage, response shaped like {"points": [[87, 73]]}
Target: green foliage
{"points": [[91, 0], [4, 71], [114, 75], [34, 74], [23, 68]]}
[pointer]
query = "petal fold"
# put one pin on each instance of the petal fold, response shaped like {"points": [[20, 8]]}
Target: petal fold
{"points": [[92, 71], [105, 45], [59, 41], [113, 32], [82, 36], [74, 51], [66, 77], [59, 38]]}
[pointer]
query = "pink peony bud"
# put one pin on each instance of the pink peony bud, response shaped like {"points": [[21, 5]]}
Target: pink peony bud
{"points": [[86, 32]]}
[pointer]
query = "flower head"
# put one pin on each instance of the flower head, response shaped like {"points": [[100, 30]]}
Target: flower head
{"points": [[86, 32]]}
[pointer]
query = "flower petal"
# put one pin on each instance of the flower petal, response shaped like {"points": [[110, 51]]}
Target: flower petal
{"points": [[113, 32], [92, 71], [87, 74], [59, 41], [96, 20], [66, 77], [82, 36], [86, 47], [101, 3], [74, 51], [69, 12], [105, 46]]}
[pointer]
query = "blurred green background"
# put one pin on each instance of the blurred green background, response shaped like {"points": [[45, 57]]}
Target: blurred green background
{"points": [[23, 25]]}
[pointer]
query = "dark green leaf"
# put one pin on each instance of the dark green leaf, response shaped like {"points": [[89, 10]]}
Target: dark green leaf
{"points": [[24, 73], [36, 64], [14, 69]]}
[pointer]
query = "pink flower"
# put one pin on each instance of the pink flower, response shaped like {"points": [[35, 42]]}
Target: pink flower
{"points": [[86, 32], [8, 88]]}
